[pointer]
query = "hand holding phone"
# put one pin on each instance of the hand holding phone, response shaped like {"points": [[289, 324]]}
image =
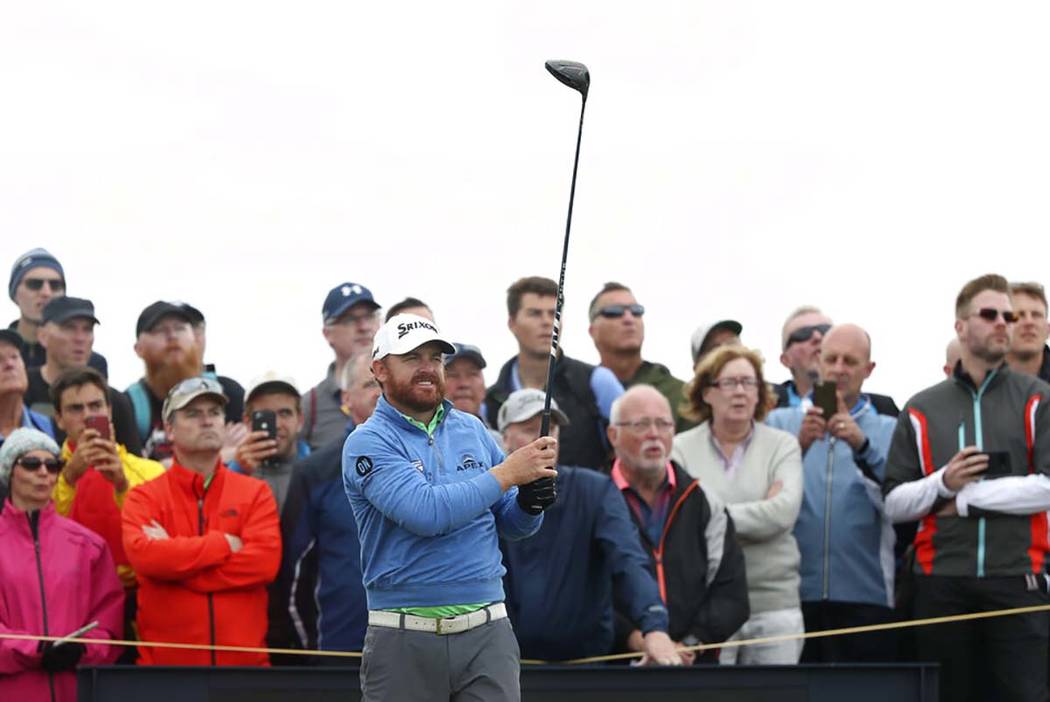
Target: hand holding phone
{"points": [[825, 397], [99, 423], [998, 465], [266, 421]]}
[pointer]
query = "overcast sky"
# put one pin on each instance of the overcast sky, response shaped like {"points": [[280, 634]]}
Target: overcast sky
{"points": [[739, 159]]}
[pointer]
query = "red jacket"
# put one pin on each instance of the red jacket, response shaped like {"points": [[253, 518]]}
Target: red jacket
{"points": [[76, 583], [192, 587]]}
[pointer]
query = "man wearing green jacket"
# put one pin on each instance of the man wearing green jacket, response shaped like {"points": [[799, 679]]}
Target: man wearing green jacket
{"points": [[618, 330]]}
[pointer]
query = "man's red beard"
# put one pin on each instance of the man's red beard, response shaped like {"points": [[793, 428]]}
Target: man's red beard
{"points": [[416, 398], [165, 370]]}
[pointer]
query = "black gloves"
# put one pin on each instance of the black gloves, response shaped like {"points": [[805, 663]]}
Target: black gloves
{"points": [[60, 658], [537, 496]]}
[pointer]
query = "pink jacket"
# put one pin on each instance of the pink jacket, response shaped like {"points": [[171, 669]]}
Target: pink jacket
{"points": [[80, 585]]}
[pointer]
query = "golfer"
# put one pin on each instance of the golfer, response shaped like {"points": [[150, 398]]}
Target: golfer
{"points": [[432, 494]]}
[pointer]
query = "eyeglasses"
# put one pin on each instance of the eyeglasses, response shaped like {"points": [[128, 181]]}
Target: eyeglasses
{"points": [[643, 426], [32, 463], [805, 333], [990, 314], [617, 311], [36, 284], [731, 384]]}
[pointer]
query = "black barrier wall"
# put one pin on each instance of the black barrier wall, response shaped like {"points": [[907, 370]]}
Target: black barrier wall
{"points": [[802, 683]]}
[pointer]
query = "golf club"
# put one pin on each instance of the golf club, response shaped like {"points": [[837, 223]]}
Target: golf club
{"points": [[576, 76]]}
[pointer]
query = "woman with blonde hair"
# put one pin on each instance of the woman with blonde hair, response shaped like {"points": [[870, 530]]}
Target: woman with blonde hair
{"points": [[756, 470]]}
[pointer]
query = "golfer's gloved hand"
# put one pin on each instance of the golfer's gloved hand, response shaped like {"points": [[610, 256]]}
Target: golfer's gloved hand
{"points": [[60, 658], [537, 496]]}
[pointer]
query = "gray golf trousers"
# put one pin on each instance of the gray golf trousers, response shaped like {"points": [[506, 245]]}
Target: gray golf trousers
{"points": [[479, 665]]}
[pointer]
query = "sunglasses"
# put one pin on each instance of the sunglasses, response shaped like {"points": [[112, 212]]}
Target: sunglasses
{"points": [[990, 314], [617, 311], [805, 333], [32, 463], [36, 284], [197, 384]]}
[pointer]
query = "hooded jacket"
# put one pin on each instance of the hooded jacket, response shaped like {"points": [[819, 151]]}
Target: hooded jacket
{"points": [[55, 577], [192, 587]]}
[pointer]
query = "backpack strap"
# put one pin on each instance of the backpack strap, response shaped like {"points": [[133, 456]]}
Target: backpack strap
{"points": [[308, 430], [140, 403]]}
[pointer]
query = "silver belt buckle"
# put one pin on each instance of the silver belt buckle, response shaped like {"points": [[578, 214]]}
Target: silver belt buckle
{"points": [[437, 627]]}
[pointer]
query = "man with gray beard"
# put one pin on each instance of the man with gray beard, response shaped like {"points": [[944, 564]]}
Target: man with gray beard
{"points": [[685, 530]]}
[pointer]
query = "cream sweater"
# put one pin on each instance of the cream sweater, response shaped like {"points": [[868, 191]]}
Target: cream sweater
{"points": [[763, 526]]}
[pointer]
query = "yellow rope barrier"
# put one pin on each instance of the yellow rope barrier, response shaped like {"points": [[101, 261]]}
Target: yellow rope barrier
{"points": [[817, 634], [186, 646], [577, 661]]}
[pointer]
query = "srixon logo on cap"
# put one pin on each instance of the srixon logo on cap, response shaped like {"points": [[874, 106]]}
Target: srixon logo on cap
{"points": [[405, 328]]}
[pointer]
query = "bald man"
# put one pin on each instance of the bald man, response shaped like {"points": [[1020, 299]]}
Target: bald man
{"points": [[844, 538]]}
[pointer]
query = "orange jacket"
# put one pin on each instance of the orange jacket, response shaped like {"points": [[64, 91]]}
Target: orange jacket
{"points": [[192, 587]]}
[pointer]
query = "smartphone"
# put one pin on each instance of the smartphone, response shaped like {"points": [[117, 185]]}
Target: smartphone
{"points": [[998, 464], [100, 424], [265, 420], [825, 396]]}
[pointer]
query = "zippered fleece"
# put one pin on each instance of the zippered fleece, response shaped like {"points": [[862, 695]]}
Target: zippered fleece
{"points": [[1007, 412], [428, 511]]}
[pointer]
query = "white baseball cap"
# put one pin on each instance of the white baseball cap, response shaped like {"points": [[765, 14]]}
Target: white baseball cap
{"points": [[405, 332], [272, 380], [698, 342], [522, 405]]}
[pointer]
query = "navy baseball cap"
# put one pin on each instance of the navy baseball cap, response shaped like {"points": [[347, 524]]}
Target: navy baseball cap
{"points": [[159, 309], [61, 309], [343, 297], [466, 351]]}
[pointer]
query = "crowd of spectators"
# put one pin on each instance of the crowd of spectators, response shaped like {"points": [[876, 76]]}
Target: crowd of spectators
{"points": [[702, 510]]}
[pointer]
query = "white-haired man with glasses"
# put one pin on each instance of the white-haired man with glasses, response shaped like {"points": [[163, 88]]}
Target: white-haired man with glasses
{"points": [[684, 529], [588, 525]]}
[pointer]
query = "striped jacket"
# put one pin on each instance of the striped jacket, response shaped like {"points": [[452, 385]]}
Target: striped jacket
{"points": [[1001, 529]]}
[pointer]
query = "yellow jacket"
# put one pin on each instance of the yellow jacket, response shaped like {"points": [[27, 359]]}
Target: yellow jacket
{"points": [[137, 471]]}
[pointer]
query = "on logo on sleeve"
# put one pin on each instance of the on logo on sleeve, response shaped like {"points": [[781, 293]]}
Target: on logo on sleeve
{"points": [[363, 466]]}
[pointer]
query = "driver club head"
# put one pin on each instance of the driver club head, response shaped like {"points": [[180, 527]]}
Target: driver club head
{"points": [[572, 73]]}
